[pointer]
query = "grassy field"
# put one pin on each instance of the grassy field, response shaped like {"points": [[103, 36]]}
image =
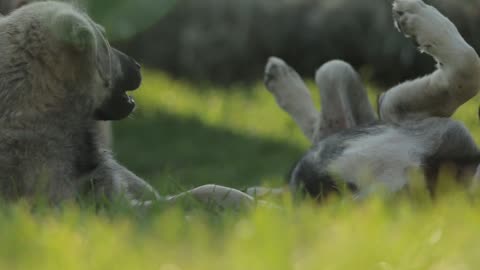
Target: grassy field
{"points": [[183, 136]]}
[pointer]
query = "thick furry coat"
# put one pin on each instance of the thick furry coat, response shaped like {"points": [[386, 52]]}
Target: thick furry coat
{"points": [[351, 147], [57, 76]]}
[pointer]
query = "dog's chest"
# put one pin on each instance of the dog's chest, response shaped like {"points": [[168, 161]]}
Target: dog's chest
{"points": [[86, 156], [380, 158]]}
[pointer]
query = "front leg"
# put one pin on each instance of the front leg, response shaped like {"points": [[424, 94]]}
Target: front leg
{"points": [[112, 181], [292, 95], [456, 79], [215, 195], [121, 182]]}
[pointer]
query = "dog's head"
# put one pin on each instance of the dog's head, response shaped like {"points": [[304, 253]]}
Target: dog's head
{"points": [[62, 63], [116, 72]]}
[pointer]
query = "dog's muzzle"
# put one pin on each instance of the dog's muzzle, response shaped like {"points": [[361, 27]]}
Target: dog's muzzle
{"points": [[120, 105]]}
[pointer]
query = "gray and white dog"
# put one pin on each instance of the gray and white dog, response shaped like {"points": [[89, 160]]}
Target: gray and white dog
{"points": [[351, 148]]}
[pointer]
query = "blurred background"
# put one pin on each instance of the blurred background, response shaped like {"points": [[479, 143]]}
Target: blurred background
{"points": [[204, 115], [225, 41]]}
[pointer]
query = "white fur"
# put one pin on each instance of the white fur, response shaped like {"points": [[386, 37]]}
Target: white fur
{"points": [[292, 95], [344, 100], [383, 159], [456, 79]]}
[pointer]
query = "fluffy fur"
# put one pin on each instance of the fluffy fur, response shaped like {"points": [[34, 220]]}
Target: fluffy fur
{"points": [[381, 156], [351, 149], [59, 78], [455, 80], [57, 70]]}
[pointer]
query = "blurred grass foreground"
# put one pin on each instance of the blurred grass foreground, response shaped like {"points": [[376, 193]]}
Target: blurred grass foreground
{"points": [[186, 134], [182, 137], [340, 236]]}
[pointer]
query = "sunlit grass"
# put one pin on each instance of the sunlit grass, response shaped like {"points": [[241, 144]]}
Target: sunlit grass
{"points": [[184, 136], [252, 112], [372, 235]]}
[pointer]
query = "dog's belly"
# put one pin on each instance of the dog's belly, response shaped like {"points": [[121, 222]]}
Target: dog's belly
{"points": [[379, 160]]}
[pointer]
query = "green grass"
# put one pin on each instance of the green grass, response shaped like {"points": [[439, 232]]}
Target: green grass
{"points": [[183, 136]]}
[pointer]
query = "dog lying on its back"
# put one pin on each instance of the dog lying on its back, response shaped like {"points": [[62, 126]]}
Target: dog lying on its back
{"points": [[354, 150], [382, 155]]}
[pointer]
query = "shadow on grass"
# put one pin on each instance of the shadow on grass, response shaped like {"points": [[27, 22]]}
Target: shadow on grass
{"points": [[174, 153]]}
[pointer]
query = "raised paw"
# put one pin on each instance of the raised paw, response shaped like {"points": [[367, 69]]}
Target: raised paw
{"points": [[278, 72], [291, 94], [432, 32], [284, 82]]}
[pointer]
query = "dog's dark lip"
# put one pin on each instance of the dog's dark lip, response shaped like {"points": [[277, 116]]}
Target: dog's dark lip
{"points": [[133, 88]]}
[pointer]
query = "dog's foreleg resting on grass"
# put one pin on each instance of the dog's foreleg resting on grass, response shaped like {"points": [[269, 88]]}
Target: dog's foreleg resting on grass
{"points": [[113, 179], [456, 79], [216, 195]]}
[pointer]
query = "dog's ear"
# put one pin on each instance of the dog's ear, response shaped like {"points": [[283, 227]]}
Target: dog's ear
{"points": [[73, 30]]}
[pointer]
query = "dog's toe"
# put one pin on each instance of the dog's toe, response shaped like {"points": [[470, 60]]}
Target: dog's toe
{"points": [[275, 69]]}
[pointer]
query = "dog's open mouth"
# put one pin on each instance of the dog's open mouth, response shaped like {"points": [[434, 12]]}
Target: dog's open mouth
{"points": [[121, 104], [117, 107], [129, 99]]}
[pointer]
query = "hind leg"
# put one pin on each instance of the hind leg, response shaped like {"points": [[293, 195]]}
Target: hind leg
{"points": [[454, 81], [114, 180], [344, 99]]}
